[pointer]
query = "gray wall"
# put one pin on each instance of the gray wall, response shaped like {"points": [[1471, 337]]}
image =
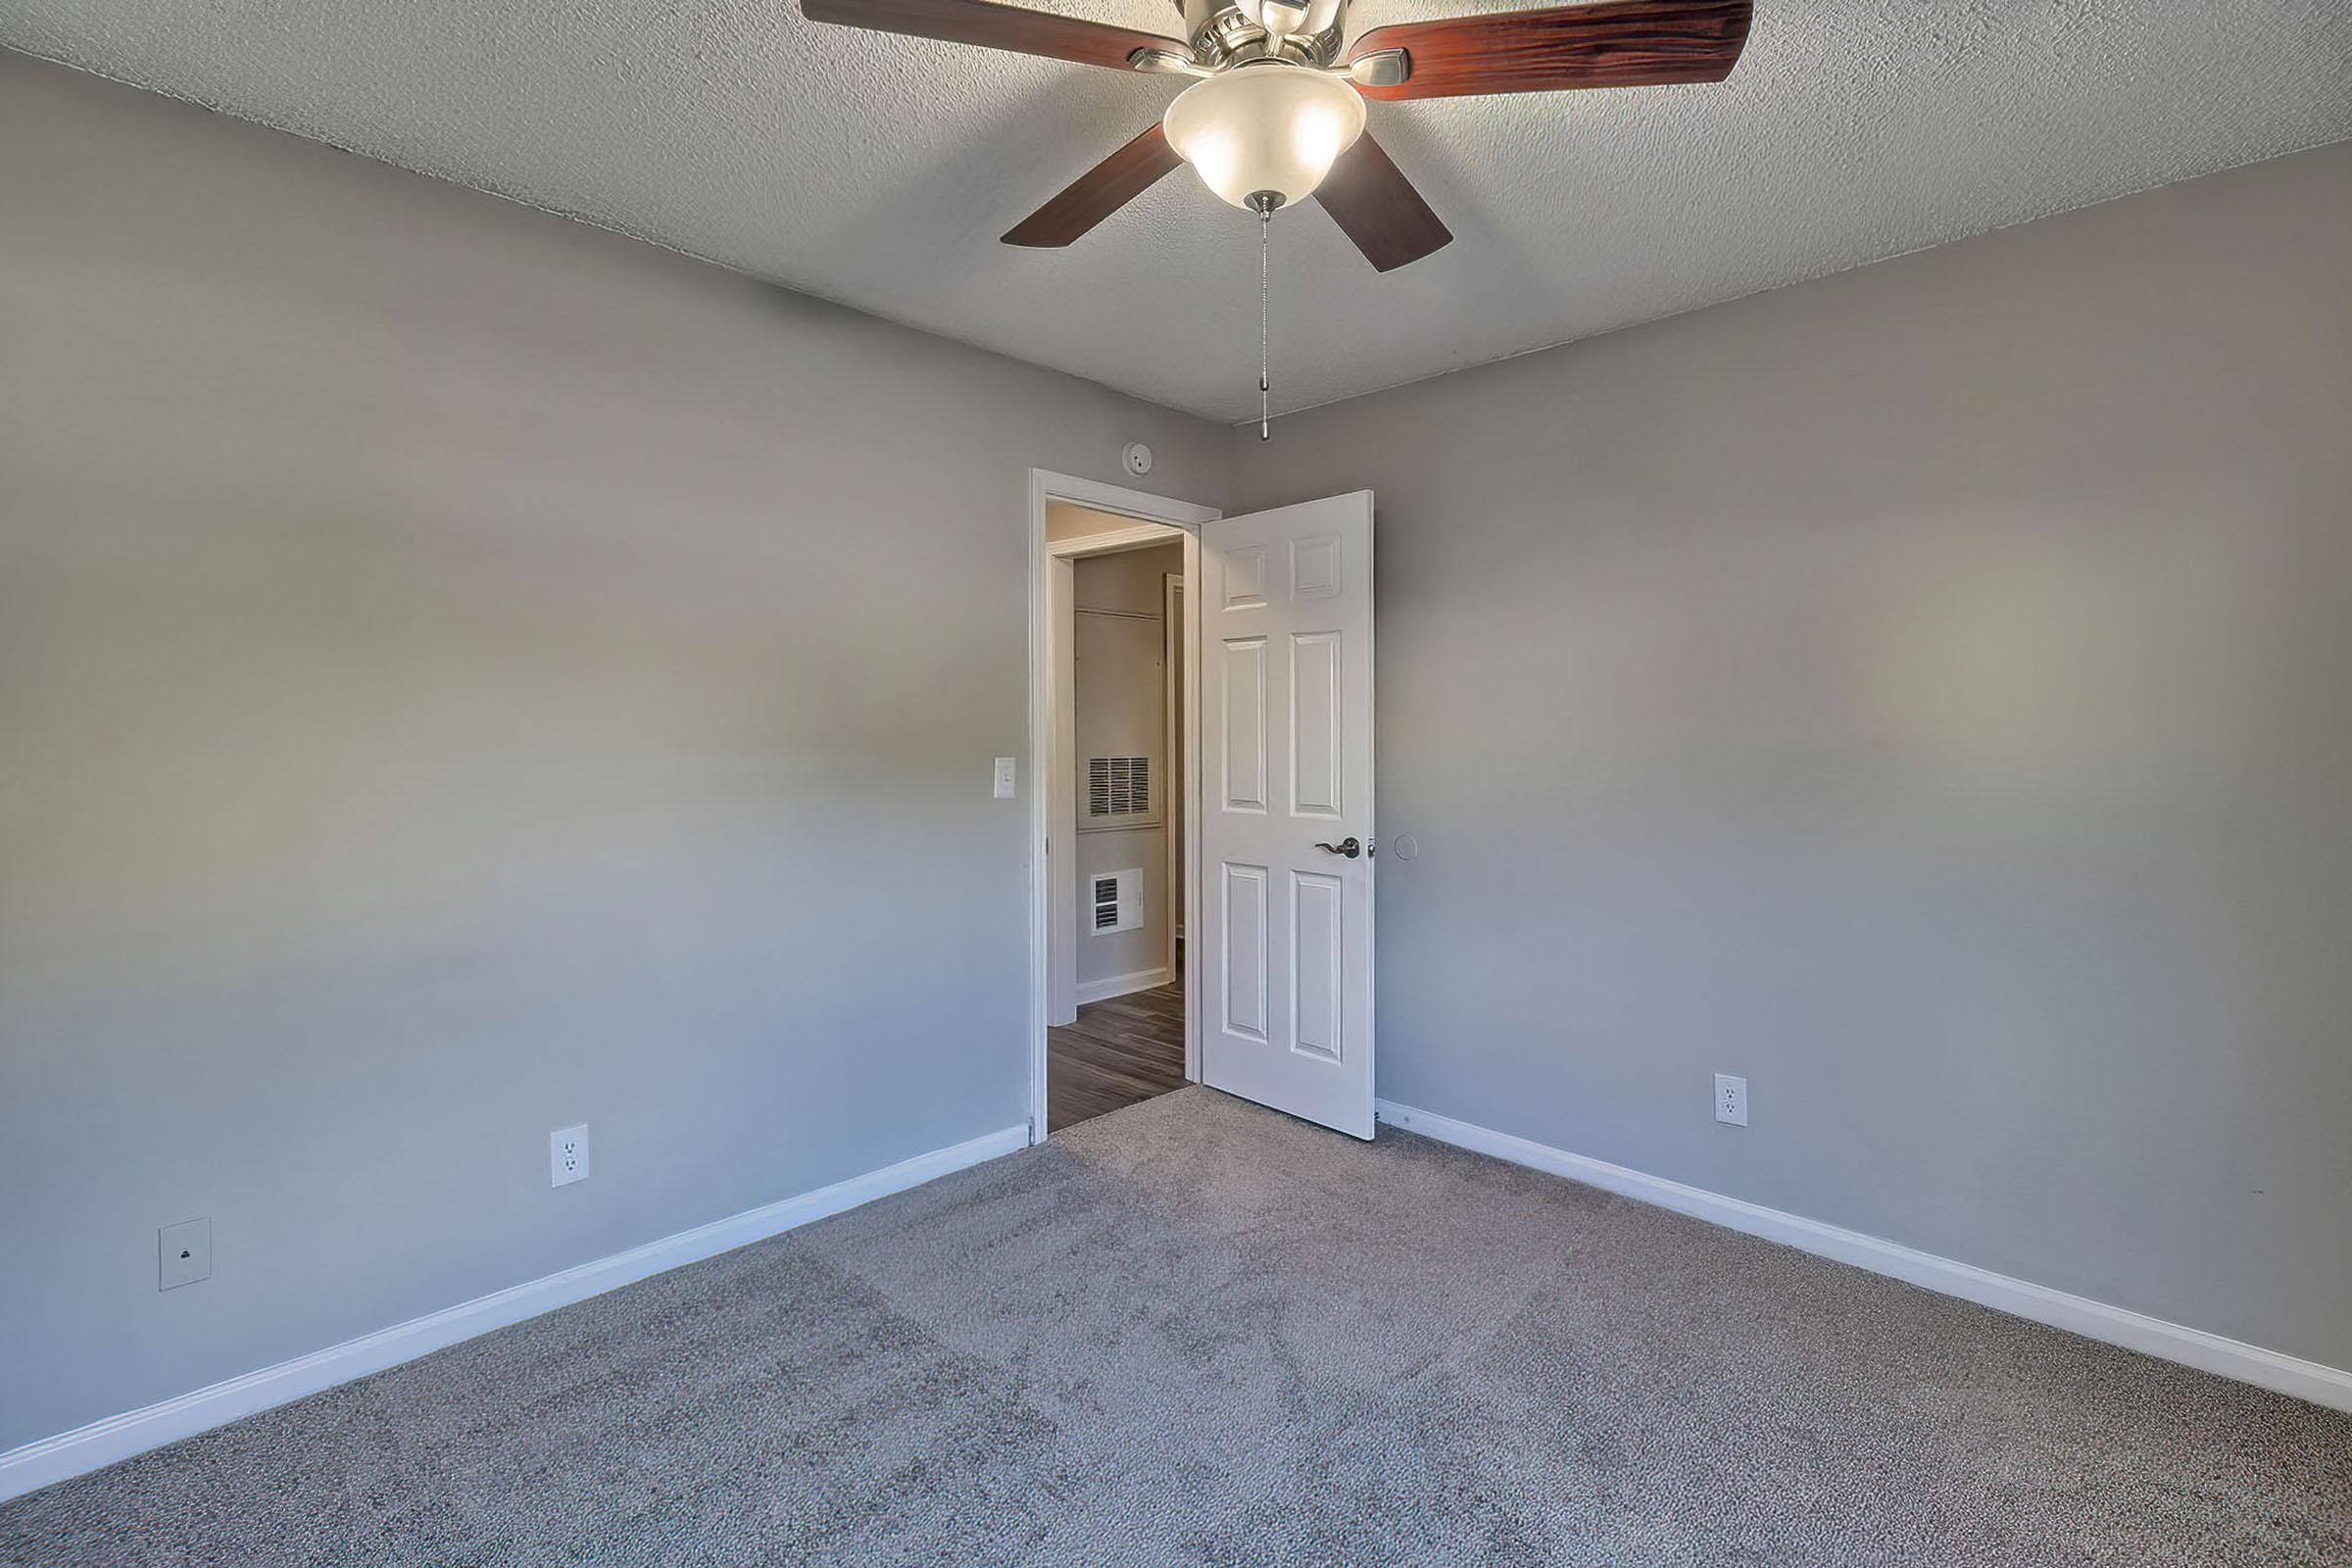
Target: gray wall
{"points": [[464, 673], [1928, 691]]}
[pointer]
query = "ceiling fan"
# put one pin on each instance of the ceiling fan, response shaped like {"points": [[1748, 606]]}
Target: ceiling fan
{"points": [[1276, 111]]}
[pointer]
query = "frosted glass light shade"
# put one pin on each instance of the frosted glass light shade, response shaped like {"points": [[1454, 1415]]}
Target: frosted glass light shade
{"points": [[1264, 128]]}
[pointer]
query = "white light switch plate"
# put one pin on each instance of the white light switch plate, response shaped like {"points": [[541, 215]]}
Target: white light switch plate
{"points": [[1003, 778], [184, 1254]]}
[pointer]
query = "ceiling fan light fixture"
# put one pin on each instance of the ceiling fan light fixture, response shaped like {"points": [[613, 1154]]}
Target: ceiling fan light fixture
{"points": [[1265, 129]]}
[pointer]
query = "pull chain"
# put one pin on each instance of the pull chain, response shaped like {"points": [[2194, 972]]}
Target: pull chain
{"points": [[1265, 384]]}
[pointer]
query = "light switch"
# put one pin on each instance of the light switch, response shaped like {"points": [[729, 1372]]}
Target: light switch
{"points": [[1003, 778]]}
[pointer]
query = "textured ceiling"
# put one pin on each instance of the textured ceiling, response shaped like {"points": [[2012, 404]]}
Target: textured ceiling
{"points": [[878, 172]]}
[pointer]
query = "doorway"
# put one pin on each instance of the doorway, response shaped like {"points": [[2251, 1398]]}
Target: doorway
{"points": [[1271, 887], [1116, 1035], [1112, 741]]}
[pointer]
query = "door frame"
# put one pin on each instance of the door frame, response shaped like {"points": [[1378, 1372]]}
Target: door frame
{"points": [[1053, 794], [1176, 741]]}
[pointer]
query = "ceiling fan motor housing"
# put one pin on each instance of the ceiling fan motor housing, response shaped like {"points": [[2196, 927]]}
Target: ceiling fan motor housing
{"points": [[1230, 31]]}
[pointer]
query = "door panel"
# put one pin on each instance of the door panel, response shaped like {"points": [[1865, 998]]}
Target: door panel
{"points": [[1244, 578], [1286, 732], [1243, 973], [1316, 963], [1315, 567], [1242, 682], [1316, 724]]}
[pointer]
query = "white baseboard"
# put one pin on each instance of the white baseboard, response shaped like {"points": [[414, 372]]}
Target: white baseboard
{"points": [[1118, 985], [2135, 1331], [119, 1437]]}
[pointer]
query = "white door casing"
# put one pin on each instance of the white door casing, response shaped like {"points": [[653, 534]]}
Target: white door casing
{"points": [[1284, 955], [1052, 807]]}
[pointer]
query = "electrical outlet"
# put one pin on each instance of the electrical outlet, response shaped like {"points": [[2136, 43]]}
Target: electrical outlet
{"points": [[1731, 1100], [184, 1254], [568, 1156]]}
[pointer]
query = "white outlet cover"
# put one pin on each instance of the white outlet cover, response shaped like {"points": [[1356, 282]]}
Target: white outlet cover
{"points": [[1731, 1100], [184, 1254], [568, 1156], [1138, 458]]}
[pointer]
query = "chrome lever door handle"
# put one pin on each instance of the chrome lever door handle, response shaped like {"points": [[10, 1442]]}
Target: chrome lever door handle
{"points": [[1348, 846]]}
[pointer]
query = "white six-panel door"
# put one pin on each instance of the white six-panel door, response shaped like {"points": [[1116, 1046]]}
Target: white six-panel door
{"points": [[1285, 949]]}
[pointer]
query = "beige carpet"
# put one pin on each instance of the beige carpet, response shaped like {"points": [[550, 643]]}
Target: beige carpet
{"points": [[1195, 1331]]}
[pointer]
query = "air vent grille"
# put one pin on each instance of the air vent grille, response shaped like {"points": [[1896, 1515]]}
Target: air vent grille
{"points": [[1118, 900], [1118, 785]]}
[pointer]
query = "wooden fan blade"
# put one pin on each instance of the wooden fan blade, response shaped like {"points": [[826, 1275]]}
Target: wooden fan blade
{"points": [[993, 27], [1098, 192], [1368, 196], [1617, 44]]}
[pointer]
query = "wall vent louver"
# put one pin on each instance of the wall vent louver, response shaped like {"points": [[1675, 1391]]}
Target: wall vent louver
{"points": [[1118, 785], [1118, 901]]}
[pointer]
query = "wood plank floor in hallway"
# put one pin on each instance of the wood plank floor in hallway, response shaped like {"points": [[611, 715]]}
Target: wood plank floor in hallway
{"points": [[1119, 1052]]}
